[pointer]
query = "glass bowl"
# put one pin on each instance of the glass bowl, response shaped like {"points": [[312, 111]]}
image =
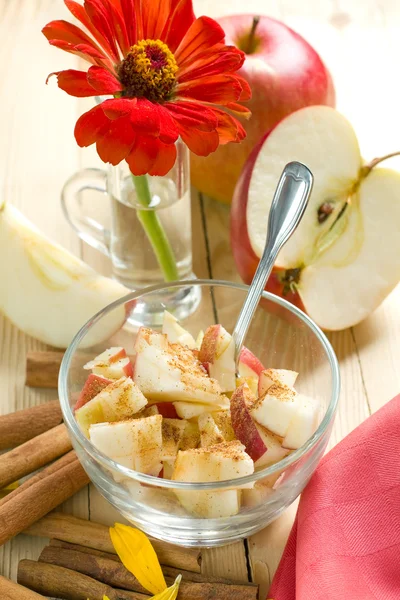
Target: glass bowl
{"points": [[281, 336]]}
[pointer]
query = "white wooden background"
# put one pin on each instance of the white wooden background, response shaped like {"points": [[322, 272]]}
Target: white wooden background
{"points": [[360, 42]]}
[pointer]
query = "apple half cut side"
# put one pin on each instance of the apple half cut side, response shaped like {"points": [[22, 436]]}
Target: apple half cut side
{"points": [[335, 265]]}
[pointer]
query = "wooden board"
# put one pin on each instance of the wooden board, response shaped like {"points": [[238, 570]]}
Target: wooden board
{"points": [[359, 41]]}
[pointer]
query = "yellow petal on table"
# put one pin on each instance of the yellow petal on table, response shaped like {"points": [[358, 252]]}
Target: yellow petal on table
{"points": [[171, 592], [8, 489], [138, 556]]}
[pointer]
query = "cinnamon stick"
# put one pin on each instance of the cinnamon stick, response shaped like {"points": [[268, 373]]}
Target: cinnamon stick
{"points": [[23, 425], [114, 573], [45, 491], [34, 454], [58, 582], [93, 535], [42, 369], [9, 590]]}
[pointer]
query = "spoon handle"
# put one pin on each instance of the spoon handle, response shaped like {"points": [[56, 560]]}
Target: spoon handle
{"points": [[287, 208]]}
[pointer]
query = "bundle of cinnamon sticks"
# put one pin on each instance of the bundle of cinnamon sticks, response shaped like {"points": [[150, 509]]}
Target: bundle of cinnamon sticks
{"points": [[39, 439], [80, 562]]}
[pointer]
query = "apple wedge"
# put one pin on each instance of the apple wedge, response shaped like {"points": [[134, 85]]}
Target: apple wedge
{"points": [[210, 433], [249, 364], [276, 409], [174, 374], [118, 401], [113, 363], [217, 355], [175, 332], [223, 421], [190, 410], [64, 292], [94, 384], [148, 337], [274, 450], [136, 443], [172, 434], [243, 424], [303, 424], [271, 377], [216, 463], [335, 265], [191, 436]]}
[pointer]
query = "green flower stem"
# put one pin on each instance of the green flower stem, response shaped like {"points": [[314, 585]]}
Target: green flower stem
{"points": [[154, 230]]}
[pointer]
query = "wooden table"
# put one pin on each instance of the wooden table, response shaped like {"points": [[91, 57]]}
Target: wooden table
{"points": [[360, 42]]}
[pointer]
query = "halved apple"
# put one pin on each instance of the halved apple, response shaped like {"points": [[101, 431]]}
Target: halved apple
{"points": [[335, 265], [118, 401]]}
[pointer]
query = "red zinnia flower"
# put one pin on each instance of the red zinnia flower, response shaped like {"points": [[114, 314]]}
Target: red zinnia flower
{"points": [[166, 71]]}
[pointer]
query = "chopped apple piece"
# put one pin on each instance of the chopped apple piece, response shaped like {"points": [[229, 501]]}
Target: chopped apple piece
{"points": [[276, 409], [148, 445], [148, 337], [168, 468], [223, 421], [112, 364], [147, 411], [167, 410], [274, 452], [190, 410], [93, 385], [172, 434], [191, 436], [217, 355], [209, 431], [271, 377], [303, 423], [118, 401], [216, 463], [256, 496], [174, 375], [249, 365], [242, 422], [252, 382], [175, 332]]}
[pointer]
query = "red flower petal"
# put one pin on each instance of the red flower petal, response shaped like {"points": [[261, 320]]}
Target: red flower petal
{"points": [[178, 24], [119, 26], [67, 47], [192, 115], [129, 13], [243, 111], [200, 142], [154, 17], [67, 32], [90, 125], [115, 144], [213, 63], [218, 89], [92, 52], [101, 18], [168, 130], [103, 81], [115, 108], [143, 155], [74, 83], [165, 159], [78, 11], [203, 33], [229, 129]]}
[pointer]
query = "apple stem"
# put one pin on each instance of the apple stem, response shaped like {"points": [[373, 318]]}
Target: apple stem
{"points": [[250, 46], [366, 170]]}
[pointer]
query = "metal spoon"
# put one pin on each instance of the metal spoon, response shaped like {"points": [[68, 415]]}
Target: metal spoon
{"points": [[287, 209]]}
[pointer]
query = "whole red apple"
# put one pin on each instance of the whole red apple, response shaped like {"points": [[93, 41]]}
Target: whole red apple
{"points": [[285, 74]]}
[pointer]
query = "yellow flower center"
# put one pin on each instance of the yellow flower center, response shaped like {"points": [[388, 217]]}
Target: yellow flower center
{"points": [[148, 70]]}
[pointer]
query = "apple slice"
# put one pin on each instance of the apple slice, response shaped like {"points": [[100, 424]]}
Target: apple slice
{"points": [[93, 385], [118, 401], [210, 433], [276, 409], [216, 463], [112, 363], [303, 424], [271, 377], [243, 424], [191, 436], [147, 411], [190, 410], [217, 355], [252, 382], [223, 421], [175, 332], [174, 374], [199, 339], [148, 337], [335, 265], [274, 451], [172, 434], [249, 365], [168, 468]]}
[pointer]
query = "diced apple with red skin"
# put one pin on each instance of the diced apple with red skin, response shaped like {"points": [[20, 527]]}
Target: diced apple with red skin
{"points": [[120, 400], [210, 433], [175, 332], [134, 443], [93, 385], [167, 410], [174, 374], [276, 409], [190, 410], [112, 363], [274, 452], [249, 365], [172, 434], [243, 424], [216, 463], [303, 424], [270, 377]]}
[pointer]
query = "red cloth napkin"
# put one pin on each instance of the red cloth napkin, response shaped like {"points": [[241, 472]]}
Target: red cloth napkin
{"points": [[345, 542]]}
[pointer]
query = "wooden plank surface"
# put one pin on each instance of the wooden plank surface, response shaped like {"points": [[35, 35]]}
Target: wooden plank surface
{"points": [[360, 43]]}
